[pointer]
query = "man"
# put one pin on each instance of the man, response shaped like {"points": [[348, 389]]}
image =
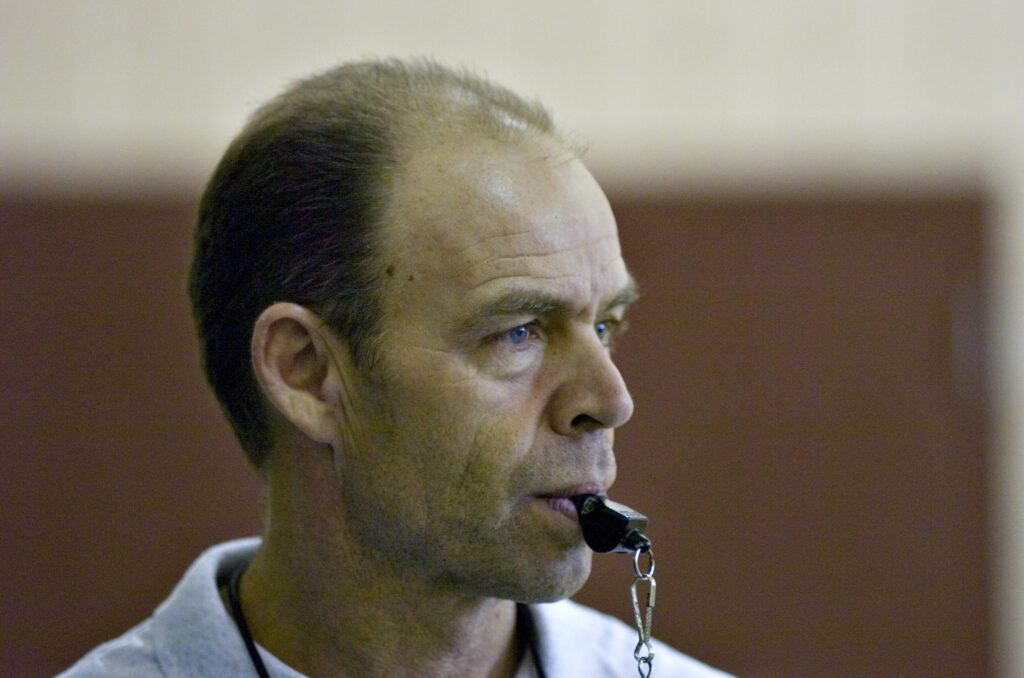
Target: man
{"points": [[406, 287]]}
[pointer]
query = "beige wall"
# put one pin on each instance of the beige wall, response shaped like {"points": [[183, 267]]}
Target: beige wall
{"points": [[674, 95], [130, 91]]}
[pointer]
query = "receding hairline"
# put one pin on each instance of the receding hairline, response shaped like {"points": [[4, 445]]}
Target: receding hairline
{"points": [[448, 138]]}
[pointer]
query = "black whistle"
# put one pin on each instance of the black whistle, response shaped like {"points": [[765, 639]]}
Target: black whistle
{"points": [[609, 526]]}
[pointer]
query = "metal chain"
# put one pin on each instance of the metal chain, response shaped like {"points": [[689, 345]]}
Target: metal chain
{"points": [[644, 652]]}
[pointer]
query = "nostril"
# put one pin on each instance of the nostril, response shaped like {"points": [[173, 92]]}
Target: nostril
{"points": [[586, 422]]}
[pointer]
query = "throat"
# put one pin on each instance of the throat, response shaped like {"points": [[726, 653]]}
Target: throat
{"points": [[368, 638]]}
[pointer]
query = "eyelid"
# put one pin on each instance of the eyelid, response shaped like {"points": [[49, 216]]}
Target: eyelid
{"points": [[532, 325], [618, 311], [615, 328]]}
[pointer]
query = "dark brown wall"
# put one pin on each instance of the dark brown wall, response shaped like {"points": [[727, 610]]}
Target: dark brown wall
{"points": [[810, 435], [810, 438]]}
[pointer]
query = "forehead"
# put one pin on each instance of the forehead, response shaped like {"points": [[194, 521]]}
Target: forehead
{"points": [[475, 214]]}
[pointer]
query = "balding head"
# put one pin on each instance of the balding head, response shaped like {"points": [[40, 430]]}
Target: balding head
{"points": [[293, 209]]}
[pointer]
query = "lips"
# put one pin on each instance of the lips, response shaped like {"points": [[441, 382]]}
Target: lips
{"points": [[561, 500], [572, 491]]}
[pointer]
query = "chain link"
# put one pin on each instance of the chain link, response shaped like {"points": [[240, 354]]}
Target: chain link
{"points": [[644, 652]]}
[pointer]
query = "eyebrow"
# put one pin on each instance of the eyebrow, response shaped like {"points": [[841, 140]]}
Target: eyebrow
{"points": [[629, 293], [534, 303]]}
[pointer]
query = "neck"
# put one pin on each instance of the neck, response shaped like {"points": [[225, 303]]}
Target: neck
{"points": [[326, 605]]}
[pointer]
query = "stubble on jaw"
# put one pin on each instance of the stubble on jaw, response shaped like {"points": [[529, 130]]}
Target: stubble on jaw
{"points": [[471, 536]]}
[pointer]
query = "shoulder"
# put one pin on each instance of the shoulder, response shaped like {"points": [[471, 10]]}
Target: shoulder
{"points": [[132, 654], [190, 634], [574, 640]]}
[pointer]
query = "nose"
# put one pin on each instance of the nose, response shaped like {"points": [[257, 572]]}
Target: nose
{"points": [[592, 394]]}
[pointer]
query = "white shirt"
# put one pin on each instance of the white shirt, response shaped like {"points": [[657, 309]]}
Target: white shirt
{"points": [[191, 634]]}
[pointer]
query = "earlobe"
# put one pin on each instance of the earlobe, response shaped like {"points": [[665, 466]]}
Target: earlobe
{"points": [[293, 367]]}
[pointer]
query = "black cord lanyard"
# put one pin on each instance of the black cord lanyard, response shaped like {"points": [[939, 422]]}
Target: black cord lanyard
{"points": [[524, 622], [525, 626], [243, 627]]}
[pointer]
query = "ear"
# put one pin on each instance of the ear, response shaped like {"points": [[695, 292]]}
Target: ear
{"points": [[294, 366]]}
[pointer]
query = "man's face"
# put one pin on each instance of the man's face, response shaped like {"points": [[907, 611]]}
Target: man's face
{"points": [[496, 396]]}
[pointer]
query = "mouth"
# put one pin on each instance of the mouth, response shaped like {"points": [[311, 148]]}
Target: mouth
{"points": [[564, 501]]}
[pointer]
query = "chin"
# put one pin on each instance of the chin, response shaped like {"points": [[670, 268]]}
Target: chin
{"points": [[554, 580], [533, 570]]}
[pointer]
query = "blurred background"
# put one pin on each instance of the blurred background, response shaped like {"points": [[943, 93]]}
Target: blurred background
{"points": [[823, 203]]}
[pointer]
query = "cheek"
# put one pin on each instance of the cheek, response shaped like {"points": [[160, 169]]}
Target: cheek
{"points": [[456, 400], [481, 451], [461, 432], [479, 469]]}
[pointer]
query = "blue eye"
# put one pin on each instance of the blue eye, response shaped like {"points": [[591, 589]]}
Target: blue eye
{"points": [[518, 335]]}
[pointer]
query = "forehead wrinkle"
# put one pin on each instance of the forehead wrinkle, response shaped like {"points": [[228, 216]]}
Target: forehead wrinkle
{"points": [[521, 277], [492, 238], [612, 262], [538, 255], [624, 295]]}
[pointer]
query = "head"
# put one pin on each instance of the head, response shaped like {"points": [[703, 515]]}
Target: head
{"points": [[451, 350], [293, 210]]}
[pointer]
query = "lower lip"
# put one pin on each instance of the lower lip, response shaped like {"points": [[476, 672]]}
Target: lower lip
{"points": [[562, 505]]}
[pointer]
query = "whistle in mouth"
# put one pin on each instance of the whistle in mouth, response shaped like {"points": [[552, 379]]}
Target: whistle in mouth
{"points": [[609, 526]]}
